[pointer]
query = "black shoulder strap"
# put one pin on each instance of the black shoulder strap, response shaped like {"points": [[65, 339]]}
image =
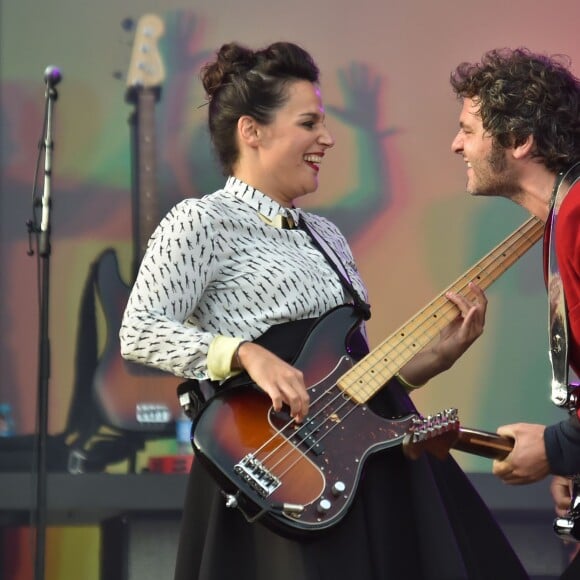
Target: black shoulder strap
{"points": [[363, 307]]}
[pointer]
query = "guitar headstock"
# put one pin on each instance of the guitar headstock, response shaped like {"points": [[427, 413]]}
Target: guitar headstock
{"points": [[435, 434], [146, 67]]}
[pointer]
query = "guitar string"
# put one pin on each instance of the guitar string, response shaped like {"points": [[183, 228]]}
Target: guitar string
{"points": [[436, 314], [418, 322], [292, 447], [401, 421], [447, 307], [289, 425]]}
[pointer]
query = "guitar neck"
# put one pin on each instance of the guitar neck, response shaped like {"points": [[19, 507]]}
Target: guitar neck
{"points": [[143, 90], [440, 433], [146, 205], [483, 443], [382, 363]]}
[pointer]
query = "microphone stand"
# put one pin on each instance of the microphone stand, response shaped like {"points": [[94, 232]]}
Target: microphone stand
{"points": [[52, 77]]}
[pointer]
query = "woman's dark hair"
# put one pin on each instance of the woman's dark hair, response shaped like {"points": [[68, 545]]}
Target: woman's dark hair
{"points": [[519, 94], [242, 81]]}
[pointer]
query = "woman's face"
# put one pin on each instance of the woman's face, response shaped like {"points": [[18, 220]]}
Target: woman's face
{"points": [[292, 146]]}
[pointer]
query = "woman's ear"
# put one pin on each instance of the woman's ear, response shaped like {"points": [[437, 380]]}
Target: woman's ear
{"points": [[248, 131]]}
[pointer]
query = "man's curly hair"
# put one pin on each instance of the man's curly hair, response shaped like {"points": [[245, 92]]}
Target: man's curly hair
{"points": [[520, 93]]}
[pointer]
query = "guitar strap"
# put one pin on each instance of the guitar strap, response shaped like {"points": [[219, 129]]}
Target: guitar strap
{"points": [[562, 391], [362, 307]]}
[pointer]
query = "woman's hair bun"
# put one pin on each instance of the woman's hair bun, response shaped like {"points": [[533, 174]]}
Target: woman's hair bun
{"points": [[232, 59]]}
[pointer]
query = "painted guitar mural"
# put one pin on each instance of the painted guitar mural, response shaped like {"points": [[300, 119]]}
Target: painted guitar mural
{"points": [[132, 397], [299, 478]]}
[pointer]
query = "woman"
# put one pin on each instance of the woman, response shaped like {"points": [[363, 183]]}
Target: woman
{"points": [[222, 271]]}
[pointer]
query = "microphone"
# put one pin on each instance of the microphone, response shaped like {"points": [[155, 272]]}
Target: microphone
{"points": [[52, 76]]}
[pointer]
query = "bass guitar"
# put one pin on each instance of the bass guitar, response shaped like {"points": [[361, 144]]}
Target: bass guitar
{"points": [[132, 397], [298, 478]]}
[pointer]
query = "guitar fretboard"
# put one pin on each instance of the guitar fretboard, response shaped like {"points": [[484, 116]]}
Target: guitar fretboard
{"points": [[368, 376], [147, 203]]}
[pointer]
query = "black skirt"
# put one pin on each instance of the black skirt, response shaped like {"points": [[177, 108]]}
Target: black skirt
{"points": [[411, 519]]}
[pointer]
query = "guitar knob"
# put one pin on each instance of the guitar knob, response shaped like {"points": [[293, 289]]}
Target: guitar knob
{"points": [[323, 506], [567, 527], [338, 488], [231, 500]]}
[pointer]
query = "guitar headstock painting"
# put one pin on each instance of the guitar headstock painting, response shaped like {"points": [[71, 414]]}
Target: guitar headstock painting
{"points": [[146, 69]]}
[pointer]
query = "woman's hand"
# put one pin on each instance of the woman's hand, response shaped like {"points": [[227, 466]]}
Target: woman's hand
{"points": [[454, 339], [281, 381]]}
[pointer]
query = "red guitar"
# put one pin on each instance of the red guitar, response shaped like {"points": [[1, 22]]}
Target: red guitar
{"points": [[133, 397], [303, 478]]}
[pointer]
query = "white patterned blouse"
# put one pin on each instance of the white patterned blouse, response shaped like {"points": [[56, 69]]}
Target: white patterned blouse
{"points": [[216, 266]]}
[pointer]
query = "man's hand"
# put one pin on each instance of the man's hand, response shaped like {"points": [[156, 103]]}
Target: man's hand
{"points": [[528, 461], [561, 488]]}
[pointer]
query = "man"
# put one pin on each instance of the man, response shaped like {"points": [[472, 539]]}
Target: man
{"points": [[519, 133]]}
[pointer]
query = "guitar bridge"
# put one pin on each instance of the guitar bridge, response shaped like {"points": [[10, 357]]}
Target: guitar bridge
{"points": [[257, 476]]}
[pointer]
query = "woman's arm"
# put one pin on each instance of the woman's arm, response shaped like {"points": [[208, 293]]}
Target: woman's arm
{"points": [[453, 341]]}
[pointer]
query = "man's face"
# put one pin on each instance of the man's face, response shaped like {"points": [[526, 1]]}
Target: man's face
{"points": [[488, 165]]}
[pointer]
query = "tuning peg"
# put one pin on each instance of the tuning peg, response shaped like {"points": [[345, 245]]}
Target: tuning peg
{"points": [[127, 24]]}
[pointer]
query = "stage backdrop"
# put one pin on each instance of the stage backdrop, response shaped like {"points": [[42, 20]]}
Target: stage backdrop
{"points": [[391, 182]]}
